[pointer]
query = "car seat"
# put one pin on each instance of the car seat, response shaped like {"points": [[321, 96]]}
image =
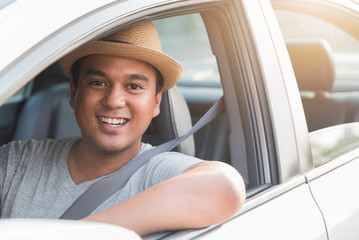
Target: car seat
{"points": [[47, 114], [313, 65]]}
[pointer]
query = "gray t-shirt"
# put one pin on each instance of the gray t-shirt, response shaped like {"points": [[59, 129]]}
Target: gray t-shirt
{"points": [[35, 180]]}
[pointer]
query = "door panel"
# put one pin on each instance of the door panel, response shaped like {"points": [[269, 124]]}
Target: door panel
{"points": [[336, 193], [291, 215]]}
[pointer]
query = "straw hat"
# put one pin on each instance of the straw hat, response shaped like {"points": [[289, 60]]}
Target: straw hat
{"points": [[139, 42]]}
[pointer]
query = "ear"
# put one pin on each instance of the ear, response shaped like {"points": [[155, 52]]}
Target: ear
{"points": [[73, 93], [158, 99]]}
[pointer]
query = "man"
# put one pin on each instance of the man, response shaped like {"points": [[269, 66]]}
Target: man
{"points": [[116, 89]]}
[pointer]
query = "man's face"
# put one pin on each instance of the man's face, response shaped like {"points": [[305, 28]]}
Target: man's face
{"points": [[114, 102]]}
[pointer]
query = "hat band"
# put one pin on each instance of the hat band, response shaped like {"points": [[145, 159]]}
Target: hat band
{"points": [[117, 41]]}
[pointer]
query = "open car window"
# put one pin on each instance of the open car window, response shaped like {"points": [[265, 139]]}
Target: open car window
{"points": [[203, 82]]}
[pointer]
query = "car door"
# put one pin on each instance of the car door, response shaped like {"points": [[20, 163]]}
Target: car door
{"points": [[334, 180], [280, 204]]}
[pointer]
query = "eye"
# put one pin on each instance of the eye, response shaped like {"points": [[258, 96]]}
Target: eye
{"points": [[98, 84], [134, 86]]}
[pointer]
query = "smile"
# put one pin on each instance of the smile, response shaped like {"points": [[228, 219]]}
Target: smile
{"points": [[113, 121]]}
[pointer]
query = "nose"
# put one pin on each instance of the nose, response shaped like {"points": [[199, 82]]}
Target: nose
{"points": [[115, 97]]}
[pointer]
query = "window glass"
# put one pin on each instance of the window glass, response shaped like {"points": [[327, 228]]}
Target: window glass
{"points": [[327, 108], [345, 47], [188, 43], [330, 143]]}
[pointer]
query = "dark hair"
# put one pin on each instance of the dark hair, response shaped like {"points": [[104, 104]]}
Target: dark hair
{"points": [[76, 67]]}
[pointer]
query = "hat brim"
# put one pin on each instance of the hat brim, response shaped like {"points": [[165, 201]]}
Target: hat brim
{"points": [[170, 69]]}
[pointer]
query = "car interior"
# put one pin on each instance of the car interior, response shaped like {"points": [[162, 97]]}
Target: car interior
{"points": [[43, 111], [314, 69]]}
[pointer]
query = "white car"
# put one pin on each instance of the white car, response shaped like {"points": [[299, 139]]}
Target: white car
{"points": [[289, 74]]}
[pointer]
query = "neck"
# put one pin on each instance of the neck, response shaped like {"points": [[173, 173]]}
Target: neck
{"points": [[88, 163]]}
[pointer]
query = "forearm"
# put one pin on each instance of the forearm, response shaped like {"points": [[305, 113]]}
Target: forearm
{"points": [[199, 197]]}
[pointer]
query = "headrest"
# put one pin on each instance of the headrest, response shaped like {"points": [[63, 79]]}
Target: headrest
{"points": [[173, 122], [312, 64]]}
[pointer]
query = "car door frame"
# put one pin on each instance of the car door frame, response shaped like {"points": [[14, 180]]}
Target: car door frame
{"points": [[283, 145]]}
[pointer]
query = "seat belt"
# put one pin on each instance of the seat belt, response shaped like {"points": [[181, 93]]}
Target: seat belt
{"points": [[104, 188]]}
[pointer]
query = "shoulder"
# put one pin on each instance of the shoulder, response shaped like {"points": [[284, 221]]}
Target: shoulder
{"points": [[167, 165], [24, 151], [37, 146], [31, 156], [174, 161], [168, 158]]}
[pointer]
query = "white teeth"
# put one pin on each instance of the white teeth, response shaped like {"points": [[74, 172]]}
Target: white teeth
{"points": [[113, 121]]}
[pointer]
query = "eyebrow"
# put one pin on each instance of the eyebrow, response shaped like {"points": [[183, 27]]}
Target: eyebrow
{"points": [[95, 72], [135, 76]]}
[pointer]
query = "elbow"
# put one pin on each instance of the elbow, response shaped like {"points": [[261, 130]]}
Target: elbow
{"points": [[227, 192], [219, 193], [233, 194]]}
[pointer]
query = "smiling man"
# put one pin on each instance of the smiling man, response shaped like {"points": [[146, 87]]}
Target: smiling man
{"points": [[114, 100], [116, 89]]}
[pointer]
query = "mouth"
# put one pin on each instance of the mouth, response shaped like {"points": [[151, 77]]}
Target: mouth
{"points": [[113, 121]]}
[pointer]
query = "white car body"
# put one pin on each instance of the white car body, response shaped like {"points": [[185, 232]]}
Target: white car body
{"points": [[292, 199]]}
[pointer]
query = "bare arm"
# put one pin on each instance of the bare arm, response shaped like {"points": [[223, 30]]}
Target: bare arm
{"points": [[205, 194]]}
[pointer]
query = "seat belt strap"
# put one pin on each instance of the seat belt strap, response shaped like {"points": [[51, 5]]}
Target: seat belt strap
{"points": [[104, 188]]}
